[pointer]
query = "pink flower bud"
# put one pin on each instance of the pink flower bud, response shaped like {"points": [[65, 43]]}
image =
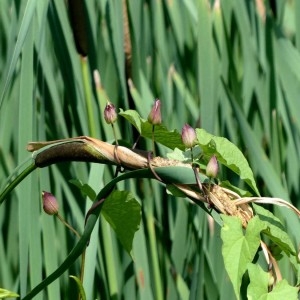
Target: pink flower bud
{"points": [[50, 204], [188, 136], [110, 114], [155, 115], [212, 167]]}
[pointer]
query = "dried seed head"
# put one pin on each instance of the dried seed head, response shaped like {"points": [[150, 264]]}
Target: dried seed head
{"points": [[188, 136], [50, 204], [212, 167], [155, 115], [110, 114]]}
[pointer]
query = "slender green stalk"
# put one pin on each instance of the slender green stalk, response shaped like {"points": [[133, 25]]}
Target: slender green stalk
{"points": [[166, 173], [153, 141], [16, 181], [82, 265], [83, 253], [74, 254], [111, 267], [67, 225], [83, 241], [154, 256], [88, 96], [115, 134], [81, 291]]}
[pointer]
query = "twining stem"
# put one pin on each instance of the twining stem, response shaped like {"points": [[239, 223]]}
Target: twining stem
{"points": [[82, 267], [153, 143], [192, 155], [135, 143], [67, 224], [195, 169], [115, 135], [16, 181], [83, 253], [266, 200]]}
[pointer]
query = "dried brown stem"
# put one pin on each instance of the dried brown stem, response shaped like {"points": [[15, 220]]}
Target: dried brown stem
{"points": [[92, 150]]}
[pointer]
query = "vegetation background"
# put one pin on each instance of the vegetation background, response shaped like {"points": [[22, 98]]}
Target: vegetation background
{"points": [[230, 67]]}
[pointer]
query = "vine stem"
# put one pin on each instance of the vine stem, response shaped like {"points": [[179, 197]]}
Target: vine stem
{"points": [[153, 143], [83, 253], [67, 224], [115, 134], [16, 181], [267, 200]]}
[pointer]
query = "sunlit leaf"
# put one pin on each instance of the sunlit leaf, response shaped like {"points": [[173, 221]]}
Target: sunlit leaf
{"points": [[7, 294], [170, 139], [259, 282], [239, 247], [275, 231], [259, 285], [228, 154]]}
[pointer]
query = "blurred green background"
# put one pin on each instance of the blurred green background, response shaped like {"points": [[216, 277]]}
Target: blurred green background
{"points": [[231, 67]]}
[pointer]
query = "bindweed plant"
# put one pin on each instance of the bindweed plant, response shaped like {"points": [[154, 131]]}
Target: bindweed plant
{"points": [[229, 67], [247, 228]]}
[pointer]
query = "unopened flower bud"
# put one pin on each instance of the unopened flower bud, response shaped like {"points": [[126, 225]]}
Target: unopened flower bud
{"points": [[212, 167], [188, 136], [110, 114], [155, 115], [50, 204]]}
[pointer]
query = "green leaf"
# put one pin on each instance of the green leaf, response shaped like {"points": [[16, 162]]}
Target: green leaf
{"points": [[7, 294], [177, 154], [170, 139], [228, 185], [238, 247], [259, 284], [275, 231], [182, 287], [283, 290], [80, 287], [173, 190], [133, 117], [14, 54], [123, 212], [227, 154], [85, 189]]}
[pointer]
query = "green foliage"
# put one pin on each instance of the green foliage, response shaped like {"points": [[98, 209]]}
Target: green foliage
{"points": [[228, 67], [275, 231], [260, 282], [123, 213], [170, 139], [85, 189], [228, 154], [238, 248], [7, 294], [80, 287]]}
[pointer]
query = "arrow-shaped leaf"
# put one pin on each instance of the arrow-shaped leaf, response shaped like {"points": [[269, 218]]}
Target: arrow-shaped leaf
{"points": [[123, 212], [239, 248], [227, 154]]}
